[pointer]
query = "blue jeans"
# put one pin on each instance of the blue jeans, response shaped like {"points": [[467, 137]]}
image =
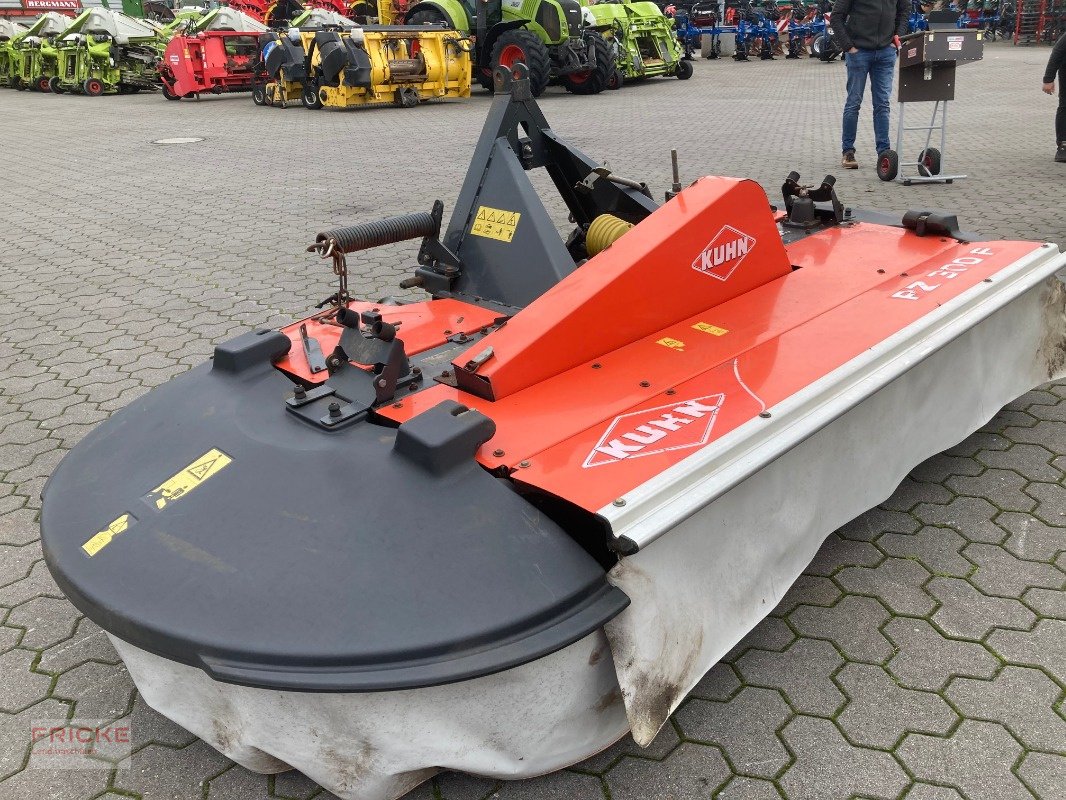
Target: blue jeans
{"points": [[878, 64]]}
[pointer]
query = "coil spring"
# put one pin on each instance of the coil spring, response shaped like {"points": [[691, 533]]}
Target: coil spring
{"points": [[380, 232]]}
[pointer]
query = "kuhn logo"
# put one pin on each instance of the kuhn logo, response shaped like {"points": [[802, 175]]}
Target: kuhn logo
{"points": [[723, 254], [657, 430]]}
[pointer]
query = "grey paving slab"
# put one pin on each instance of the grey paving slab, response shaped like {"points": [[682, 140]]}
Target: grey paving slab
{"points": [[107, 293]]}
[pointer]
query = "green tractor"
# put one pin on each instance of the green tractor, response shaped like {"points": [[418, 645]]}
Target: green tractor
{"points": [[549, 36], [108, 52], [643, 40], [32, 53]]}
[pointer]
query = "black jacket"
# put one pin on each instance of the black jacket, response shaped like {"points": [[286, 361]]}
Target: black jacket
{"points": [[868, 24], [1057, 62]]}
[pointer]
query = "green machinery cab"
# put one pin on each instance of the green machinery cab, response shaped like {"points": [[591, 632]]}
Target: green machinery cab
{"points": [[108, 52], [643, 40], [549, 36], [31, 53]]}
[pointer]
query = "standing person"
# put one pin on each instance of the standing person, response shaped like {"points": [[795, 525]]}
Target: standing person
{"points": [[1057, 64], [868, 32]]}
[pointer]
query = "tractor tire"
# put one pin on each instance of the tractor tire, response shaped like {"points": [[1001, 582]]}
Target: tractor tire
{"points": [[93, 87], [309, 97], [55, 87], [684, 70], [17, 84], [43, 85], [594, 80], [427, 16], [617, 80], [523, 45], [168, 93]]}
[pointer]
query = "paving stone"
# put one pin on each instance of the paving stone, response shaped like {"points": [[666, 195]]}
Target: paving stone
{"points": [[802, 673], [965, 613], [836, 553], [1051, 499], [720, 683], [924, 791], [935, 548], [1044, 774], [1000, 573], [1030, 538], [1044, 647], [979, 441], [88, 643], [20, 687], [162, 773], [38, 583], [237, 783], [666, 740], [293, 785], [47, 621], [556, 786], [812, 590], [896, 582], [9, 637], [1046, 602], [1028, 460], [99, 691], [16, 733], [749, 789], [1047, 434], [770, 634], [36, 783], [913, 493], [852, 624], [459, 786], [18, 528], [969, 516], [1022, 699], [940, 467], [867, 527], [1002, 487], [827, 766], [880, 711], [976, 759], [927, 660], [691, 771], [744, 728]]}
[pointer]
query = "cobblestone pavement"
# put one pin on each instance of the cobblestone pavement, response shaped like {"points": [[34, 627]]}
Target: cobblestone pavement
{"points": [[923, 653]]}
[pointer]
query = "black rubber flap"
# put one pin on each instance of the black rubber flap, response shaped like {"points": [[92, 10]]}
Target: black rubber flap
{"points": [[228, 534]]}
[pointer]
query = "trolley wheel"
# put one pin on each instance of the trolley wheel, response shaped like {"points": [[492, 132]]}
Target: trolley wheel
{"points": [[54, 86], [259, 95], [617, 80], [43, 84], [684, 70], [93, 87], [887, 165], [309, 96], [929, 162]]}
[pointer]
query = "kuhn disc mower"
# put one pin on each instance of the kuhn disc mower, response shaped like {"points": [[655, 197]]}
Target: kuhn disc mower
{"points": [[494, 530], [108, 52], [216, 54]]}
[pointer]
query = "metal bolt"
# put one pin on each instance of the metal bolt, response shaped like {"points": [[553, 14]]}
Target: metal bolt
{"points": [[645, 384], [988, 280], [619, 502], [446, 374], [498, 453], [523, 464], [904, 274], [765, 415], [416, 370], [334, 409], [880, 272], [381, 383], [299, 393], [597, 366], [671, 391], [397, 405], [447, 331]]}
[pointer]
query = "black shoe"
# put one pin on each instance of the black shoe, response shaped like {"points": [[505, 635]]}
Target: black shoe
{"points": [[1060, 154]]}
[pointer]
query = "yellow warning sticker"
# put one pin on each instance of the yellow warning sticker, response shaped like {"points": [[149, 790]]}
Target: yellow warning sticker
{"points": [[104, 537], [206, 466], [495, 223], [714, 330], [673, 344]]}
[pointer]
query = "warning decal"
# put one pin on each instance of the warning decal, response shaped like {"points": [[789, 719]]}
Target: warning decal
{"points": [[495, 223], [714, 330], [207, 465], [104, 537]]}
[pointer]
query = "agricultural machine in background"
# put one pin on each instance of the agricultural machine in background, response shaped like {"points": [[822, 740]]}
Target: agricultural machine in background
{"points": [[215, 54], [642, 40], [108, 52], [9, 32], [32, 54], [548, 36], [347, 66]]}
